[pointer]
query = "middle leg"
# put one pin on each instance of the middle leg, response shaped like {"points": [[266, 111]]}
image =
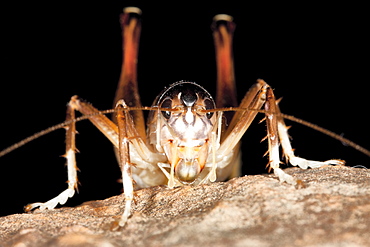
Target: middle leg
{"points": [[124, 159]]}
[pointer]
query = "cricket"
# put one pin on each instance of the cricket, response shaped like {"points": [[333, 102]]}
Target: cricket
{"points": [[189, 137]]}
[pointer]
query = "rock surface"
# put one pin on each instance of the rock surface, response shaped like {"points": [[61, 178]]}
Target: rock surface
{"points": [[333, 209]]}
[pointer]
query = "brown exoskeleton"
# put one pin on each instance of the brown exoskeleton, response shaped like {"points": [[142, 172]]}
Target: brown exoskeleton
{"points": [[190, 138]]}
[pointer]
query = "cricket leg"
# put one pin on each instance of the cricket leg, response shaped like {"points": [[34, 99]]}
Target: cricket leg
{"points": [[223, 29], [273, 139], [127, 88], [229, 149], [71, 167], [289, 151], [278, 132], [107, 127], [124, 160], [254, 99]]}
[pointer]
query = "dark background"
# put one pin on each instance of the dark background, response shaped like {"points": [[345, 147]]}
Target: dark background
{"points": [[315, 56]]}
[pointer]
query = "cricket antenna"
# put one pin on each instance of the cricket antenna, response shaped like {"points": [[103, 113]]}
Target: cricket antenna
{"points": [[48, 130], [329, 133], [289, 117]]}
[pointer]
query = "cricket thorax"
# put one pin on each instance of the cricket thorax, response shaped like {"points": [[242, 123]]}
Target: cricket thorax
{"points": [[185, 129]]}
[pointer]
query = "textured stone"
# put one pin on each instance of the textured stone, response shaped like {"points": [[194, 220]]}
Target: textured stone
{"points": [[333, 209]]}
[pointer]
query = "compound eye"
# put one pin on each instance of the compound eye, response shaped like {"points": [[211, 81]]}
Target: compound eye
{"points": [[167, 103], [209, 104]]}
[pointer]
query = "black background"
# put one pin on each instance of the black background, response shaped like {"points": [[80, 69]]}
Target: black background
{"points": [[315, 56]]}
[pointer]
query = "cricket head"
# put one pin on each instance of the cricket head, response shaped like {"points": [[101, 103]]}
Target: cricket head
{"points": [[185, 129]]}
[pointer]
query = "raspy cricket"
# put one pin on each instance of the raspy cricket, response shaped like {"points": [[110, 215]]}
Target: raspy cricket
{"points": [[190, 138]]}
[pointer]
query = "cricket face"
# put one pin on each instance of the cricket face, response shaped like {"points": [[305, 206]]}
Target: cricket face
{"points": [[185, 134]]}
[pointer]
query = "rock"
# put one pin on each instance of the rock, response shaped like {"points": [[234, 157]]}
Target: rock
{"points": [[333, 209]]}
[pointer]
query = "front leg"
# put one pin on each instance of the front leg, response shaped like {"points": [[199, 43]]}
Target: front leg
{"points": [[273, 138], [289, 151], [71, 166], [107, 127], [278, 132]]}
